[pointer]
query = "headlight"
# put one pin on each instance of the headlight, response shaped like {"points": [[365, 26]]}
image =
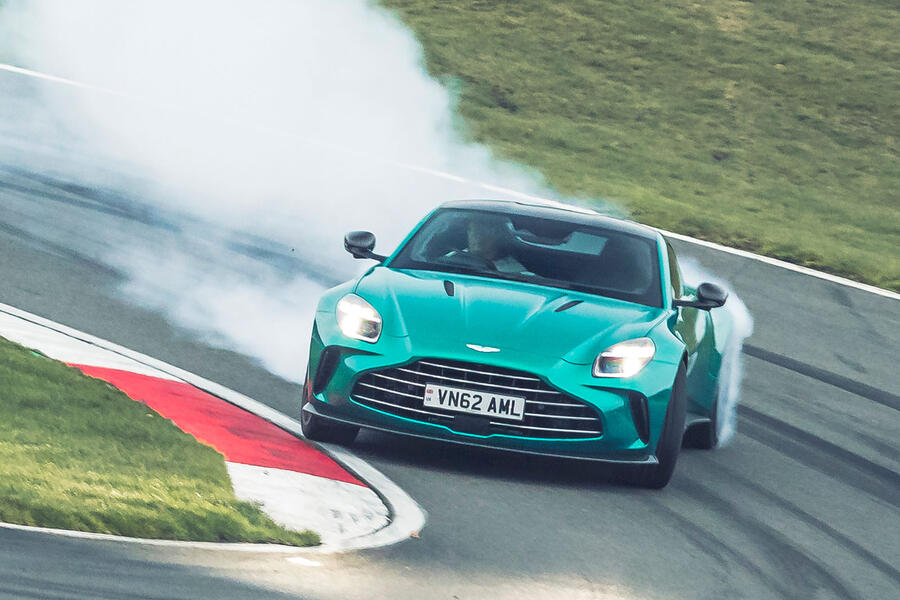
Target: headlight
{"points": [[357, 319], [624, 359]]}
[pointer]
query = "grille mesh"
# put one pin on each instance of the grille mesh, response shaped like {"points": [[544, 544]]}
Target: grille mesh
{"points": [[548, 412]]}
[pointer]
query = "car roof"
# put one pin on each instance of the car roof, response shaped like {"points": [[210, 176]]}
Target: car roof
{"points": [[555, 211]]}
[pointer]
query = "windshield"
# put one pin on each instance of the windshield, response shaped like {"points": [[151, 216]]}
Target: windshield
{"points": [[539, 250]]}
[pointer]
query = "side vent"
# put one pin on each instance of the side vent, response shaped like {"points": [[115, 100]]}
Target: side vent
{"points": [[328, 363], [640, 415]]}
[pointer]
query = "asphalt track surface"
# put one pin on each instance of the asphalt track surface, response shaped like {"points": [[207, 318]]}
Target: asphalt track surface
{"points": [[802, 504]]}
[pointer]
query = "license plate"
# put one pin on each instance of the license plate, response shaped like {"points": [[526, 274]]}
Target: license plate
{"points": [[475, 403]]}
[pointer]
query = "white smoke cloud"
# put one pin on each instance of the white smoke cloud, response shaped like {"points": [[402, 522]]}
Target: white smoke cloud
{"points": [[284, 121], [734, 324]]}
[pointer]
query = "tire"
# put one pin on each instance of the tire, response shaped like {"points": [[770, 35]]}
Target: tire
{"points": [[706, 435], [318, 429], [667, 449]]}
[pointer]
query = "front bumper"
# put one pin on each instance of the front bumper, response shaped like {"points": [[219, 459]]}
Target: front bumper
{"points": [[333, 375]]}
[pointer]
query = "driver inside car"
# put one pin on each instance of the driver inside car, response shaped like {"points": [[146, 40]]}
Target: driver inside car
{"points": [[490, 240]]}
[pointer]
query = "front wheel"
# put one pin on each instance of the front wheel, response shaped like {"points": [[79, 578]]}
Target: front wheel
{"points": [[705, 436], [318, 429], [667, 449]]}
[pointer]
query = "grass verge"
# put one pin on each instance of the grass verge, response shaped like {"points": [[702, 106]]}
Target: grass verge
{"points": [[76, 453], [769, 126]]}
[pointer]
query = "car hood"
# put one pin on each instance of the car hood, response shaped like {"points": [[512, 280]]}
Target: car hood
{"points": [[501, 314]]}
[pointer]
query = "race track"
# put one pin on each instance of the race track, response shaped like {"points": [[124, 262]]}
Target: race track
{"points": [[802, 504]]}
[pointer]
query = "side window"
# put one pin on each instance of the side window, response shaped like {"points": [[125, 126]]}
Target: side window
{"points": [[675, 272]]}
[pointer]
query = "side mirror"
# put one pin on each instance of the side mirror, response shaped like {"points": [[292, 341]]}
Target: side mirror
{"points": [[709, 296], [360, 244]]}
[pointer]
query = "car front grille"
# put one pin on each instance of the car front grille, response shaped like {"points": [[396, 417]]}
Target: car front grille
{"points": [[549, 413]]}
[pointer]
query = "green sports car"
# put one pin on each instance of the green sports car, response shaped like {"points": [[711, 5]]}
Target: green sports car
{"points": [[542, 329]]}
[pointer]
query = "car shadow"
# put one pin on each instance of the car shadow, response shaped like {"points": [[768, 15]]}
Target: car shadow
{"points": [[459, 459]]}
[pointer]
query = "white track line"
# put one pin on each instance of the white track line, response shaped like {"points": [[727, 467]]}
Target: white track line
{"points": [[487, 186], [406, 516], [785, 265]]}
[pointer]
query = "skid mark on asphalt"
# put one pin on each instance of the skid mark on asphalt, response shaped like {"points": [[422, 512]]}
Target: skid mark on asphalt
{"points": [[725, 555], [185, 230], [797, 569], [821, 455], [79, 196], [54, 248], [874, 394], [845, 542]]}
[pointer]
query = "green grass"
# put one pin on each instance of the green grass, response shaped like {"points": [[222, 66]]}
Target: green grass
{"points": [[76, 453], [770, 126]]}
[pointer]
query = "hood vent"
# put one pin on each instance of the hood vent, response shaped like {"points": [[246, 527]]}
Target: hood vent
{"points": [[448, 287], [568, 305]]}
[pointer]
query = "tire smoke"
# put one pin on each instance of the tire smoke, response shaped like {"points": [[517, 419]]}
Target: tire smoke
{"points": [[240, 141], [733, 324]]}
